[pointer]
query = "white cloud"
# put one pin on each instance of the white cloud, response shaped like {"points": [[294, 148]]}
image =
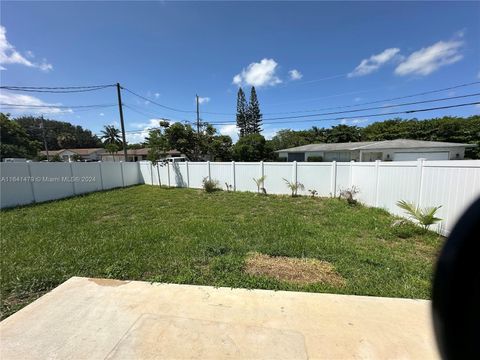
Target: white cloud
{"points": [[157, 95], [374, 62], [259, 74], [295, 74], [30, 104], [230, 130], [102, 114], [431, 58], [144, 128], [9, 55], [203, 100], [352, 121]]}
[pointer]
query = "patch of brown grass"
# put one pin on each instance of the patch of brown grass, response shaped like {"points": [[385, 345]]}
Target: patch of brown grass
{"points": [[293, 270]]}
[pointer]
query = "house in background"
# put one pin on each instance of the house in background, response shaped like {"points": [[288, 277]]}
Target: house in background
{"points": [[93, 154], [136, 155], [388, 150]]}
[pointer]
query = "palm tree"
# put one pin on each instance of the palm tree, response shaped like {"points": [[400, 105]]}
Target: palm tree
{"points": [[111, 135]]}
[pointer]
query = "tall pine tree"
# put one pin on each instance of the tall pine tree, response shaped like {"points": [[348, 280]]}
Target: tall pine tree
{"points": [[242, 112], [254, 116]]}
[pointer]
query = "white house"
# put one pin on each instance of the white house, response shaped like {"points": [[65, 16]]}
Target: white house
{"points": [[396, 150], [91, 154]]}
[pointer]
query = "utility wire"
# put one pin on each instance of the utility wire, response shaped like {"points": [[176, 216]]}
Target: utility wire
{"points": [[374, 108], [369, 115], [363, 103], [58, 106], [64, 89], [156, 103]]}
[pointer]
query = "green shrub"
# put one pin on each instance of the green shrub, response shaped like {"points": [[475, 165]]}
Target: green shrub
{"points": [[315, 159], [210, 185]]}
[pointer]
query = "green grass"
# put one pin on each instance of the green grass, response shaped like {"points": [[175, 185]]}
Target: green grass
{"points": [[187, 236]]}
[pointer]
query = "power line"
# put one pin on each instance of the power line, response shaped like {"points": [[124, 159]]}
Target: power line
{"points": [[374, 108], [361, 104], [58, 106], [61, 90], [156, 103], [365, 115]]}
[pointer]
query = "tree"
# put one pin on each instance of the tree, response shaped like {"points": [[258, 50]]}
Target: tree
{"points": [[112, 148], [241, 112], [254, 116], [66, 140], [157, 143], [252, 147], [220, 148], [111, 135], [58, 134], [14, 140], [343, 133], [182, 138]]}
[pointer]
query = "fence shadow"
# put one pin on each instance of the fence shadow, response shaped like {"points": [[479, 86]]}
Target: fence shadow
{"points": [[179, 180]]}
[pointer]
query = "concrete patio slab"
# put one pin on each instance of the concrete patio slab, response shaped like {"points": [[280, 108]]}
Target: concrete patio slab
{"points": [[110, 319]]}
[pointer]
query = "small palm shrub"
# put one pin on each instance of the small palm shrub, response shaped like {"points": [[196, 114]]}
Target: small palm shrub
{"points": [[294, 186], [260, 184], [229, 187], [210, 185], [313, 192], [424, 216]]}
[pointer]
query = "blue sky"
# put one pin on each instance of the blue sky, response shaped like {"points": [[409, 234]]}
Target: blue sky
{"points": [[300, 56]]}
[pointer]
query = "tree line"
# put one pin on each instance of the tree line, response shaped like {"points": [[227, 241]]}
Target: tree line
{"points": [[22, 137]]}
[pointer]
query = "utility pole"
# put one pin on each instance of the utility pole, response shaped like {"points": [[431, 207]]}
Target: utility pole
{"points": [[120, 109], [42, 125], [198, 130]]}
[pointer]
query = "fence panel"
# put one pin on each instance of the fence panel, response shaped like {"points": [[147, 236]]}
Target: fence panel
{"points": [[130, 173], [197, 171], [275, 173], [16, 187], [112, 175], [364, 178], [397, 182], [244, 175], [146, 173], [54, 183], [315, 176], [88, 177], [451, 187], [222, 172]]}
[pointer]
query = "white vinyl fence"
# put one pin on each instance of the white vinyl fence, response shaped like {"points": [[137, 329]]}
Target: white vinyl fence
{"points": [[24, 183], [453, 184]]}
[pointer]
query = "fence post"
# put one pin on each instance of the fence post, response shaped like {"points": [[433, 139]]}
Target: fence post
{"points": [[350, 180], [377, 180], [420, 163], [333, 181], [151, 173], [262, 171], [32, 187], [294, 172], [209, 173], [101, 175], [121, 171], [188, 174], [71, 178], [233, 176], [168, 173]]}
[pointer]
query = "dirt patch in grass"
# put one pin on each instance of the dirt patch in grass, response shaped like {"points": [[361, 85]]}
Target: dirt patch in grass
{"points": [[294, 270]]}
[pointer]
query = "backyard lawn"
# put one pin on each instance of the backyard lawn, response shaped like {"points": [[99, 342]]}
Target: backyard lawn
{"points": [[221, 239]]}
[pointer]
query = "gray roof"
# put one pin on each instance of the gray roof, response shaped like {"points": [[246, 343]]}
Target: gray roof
{"points": [[375, 145]]}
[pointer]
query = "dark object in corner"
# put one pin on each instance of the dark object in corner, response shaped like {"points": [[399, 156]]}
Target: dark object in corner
{"points": [[456, 290]]}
